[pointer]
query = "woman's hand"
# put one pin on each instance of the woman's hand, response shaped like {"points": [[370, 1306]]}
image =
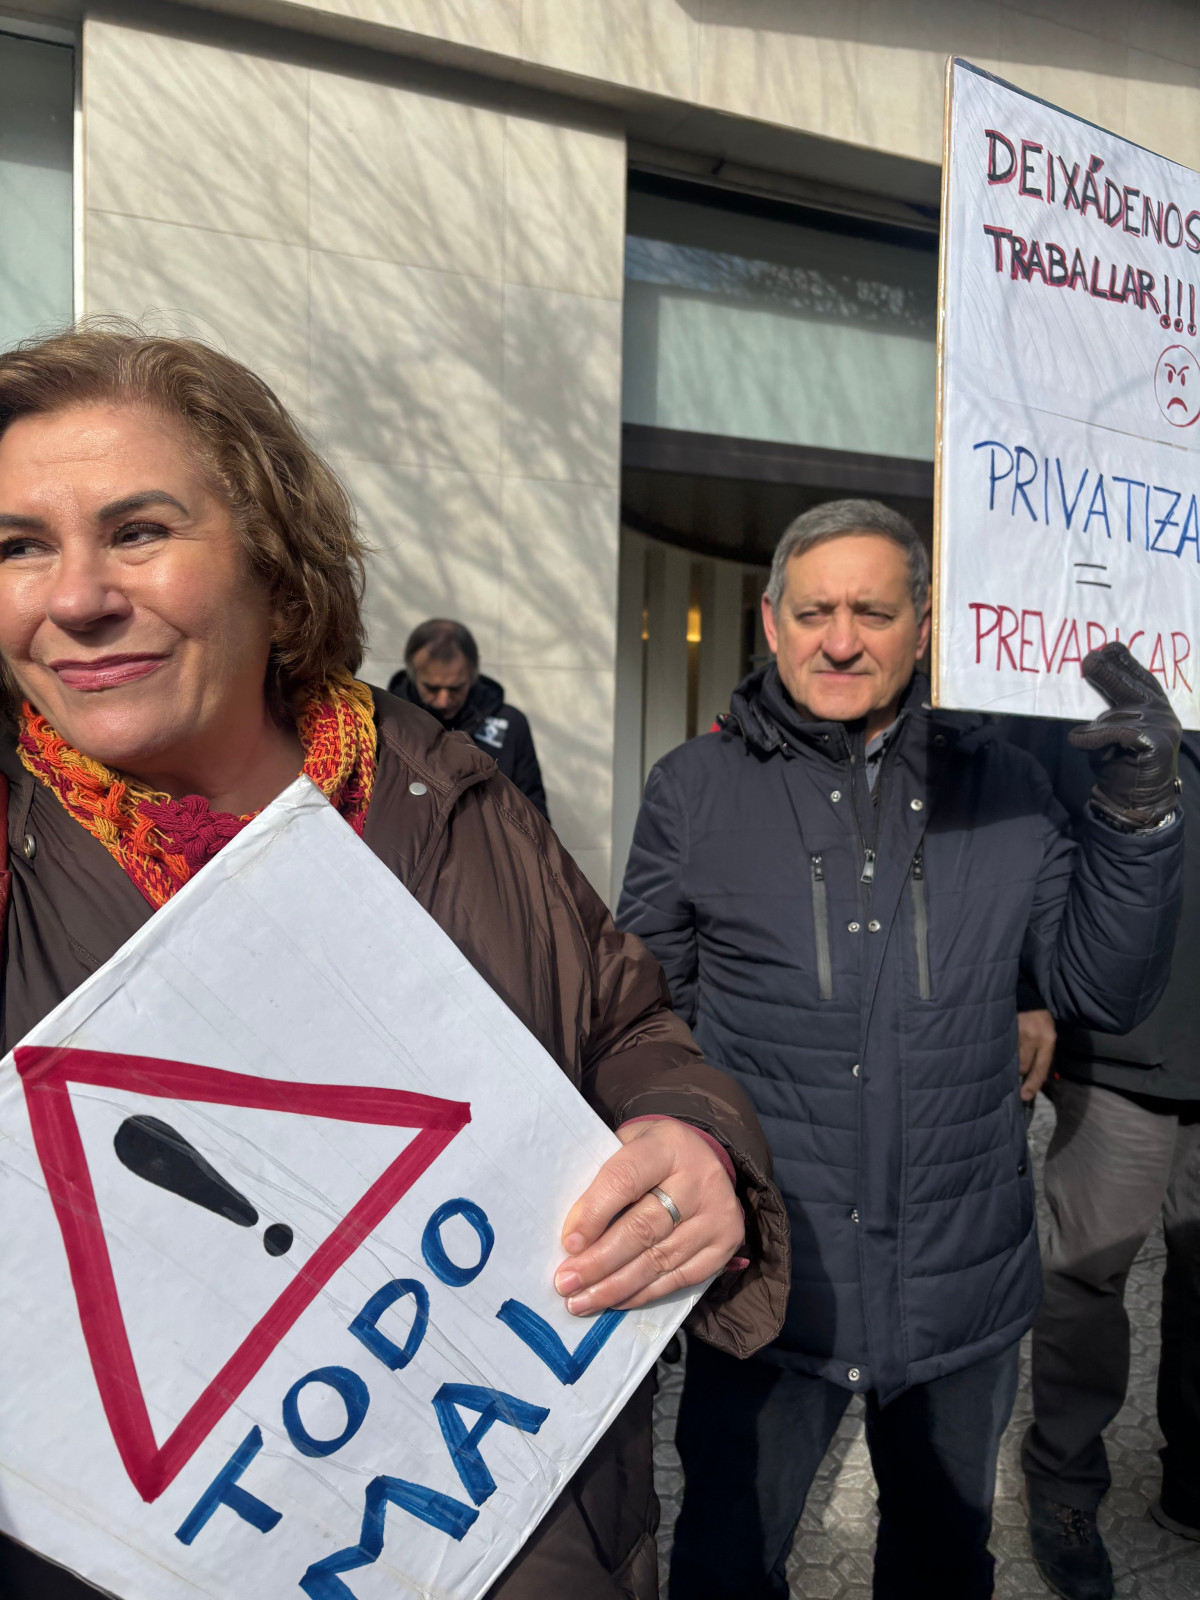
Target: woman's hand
{"points": [[623, 1249]]}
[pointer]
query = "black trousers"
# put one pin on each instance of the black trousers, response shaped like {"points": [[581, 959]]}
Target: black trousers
{"points": [[1114, 1164], [752, 1436]]}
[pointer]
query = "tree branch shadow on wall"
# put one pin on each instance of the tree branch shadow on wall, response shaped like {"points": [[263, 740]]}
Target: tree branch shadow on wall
{"points": [[1164, 33], [434, 388]]}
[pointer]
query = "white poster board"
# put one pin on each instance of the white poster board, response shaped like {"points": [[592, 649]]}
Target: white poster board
{"points": [[1068, 458], [282, 1188]]}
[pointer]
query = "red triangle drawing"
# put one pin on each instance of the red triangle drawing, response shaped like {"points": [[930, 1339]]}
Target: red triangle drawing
{"points": [[45, 1074]]}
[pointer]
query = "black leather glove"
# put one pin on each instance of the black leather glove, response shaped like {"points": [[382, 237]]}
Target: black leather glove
{"points": [[1134, 748]]}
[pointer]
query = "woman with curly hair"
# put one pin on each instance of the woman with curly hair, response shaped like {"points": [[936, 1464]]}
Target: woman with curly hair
{"points": [[180, 625]]}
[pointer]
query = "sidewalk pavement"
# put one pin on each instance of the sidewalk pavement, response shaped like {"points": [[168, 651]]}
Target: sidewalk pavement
{"points": [[831, 1559]]}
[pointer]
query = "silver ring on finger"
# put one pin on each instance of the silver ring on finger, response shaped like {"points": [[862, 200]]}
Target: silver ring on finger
{"points": [[668, 1205]]}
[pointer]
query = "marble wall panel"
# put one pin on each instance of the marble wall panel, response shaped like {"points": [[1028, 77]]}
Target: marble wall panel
{"points": [[571, 714], [436, 551], [406, 362], [564, 192], [558, 574], [179, 131], [248, 297], [562, 386], [404, 176]]}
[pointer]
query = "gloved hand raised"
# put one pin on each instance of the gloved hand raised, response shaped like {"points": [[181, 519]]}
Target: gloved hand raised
{"points": [[1134, 748]]}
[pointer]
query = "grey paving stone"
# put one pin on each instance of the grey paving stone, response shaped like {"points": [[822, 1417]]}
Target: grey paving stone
{"points": [[1175, 1579], [831, 1559]]}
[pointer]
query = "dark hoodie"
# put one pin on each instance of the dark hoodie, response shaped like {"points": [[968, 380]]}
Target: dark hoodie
{"points": [[498, 729]]}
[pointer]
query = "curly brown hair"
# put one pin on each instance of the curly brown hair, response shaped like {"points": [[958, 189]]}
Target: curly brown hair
{"points": [[295, 518]]}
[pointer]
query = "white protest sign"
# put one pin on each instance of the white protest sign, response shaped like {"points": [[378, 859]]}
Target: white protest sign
{"points": [[1069, 391], [282, 1188]]}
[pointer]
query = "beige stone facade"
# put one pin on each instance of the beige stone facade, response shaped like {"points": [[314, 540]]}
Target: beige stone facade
{"points": [[409, 215]]}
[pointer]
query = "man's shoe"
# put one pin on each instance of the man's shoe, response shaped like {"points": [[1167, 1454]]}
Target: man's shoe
{"points": [[1183, 1529], [1068, 1550]]}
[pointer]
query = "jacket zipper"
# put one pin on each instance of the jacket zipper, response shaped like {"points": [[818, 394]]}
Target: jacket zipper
{"points": [[866, 875], [820, 898], [867, 872], [921, 927]]}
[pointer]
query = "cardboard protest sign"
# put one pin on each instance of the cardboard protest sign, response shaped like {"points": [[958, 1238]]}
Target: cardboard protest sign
{"points": [[282, 1188], [1068, 399]]}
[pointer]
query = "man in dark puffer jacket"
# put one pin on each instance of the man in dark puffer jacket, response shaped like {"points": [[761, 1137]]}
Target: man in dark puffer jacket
{"points": [[842, 887]]}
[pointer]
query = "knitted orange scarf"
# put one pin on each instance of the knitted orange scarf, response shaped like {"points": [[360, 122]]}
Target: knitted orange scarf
{"points": [[161, 842]]}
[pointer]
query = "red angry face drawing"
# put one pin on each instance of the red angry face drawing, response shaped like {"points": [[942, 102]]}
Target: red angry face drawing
{"points": [[1177, 386]]}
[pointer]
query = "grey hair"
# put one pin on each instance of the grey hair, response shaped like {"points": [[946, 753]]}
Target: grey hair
{"points": [[837, 519]]}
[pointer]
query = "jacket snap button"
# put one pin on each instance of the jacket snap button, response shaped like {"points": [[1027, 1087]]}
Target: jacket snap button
{"points": [[854, 1216], [854, 1069], [1021, 1170], [854, 1375], [835, 794], [29, 847], [874, 926], [417, 788], [917, 805], [853, 927]]}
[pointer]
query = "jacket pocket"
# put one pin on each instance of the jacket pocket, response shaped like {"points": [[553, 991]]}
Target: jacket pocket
{"points": [[820, 898], [921, 927]]}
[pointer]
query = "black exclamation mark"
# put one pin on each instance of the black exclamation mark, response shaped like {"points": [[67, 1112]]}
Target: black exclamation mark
{"points": [[159, 1153]]}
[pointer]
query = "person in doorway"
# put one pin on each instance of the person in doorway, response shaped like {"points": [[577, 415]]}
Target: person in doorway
{"points": [[1125, 1151], [441, 674], [180, 628], [842, 886]]}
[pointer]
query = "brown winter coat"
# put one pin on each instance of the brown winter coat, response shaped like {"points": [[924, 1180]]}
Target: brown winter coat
{"points": [[487, 867]]}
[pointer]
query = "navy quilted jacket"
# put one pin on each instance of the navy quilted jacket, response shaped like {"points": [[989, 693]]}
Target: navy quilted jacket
{"points": [[852, 960]]}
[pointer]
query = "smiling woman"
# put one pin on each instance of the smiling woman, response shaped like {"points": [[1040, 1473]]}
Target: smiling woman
{"points": [[180, 624], [180, 579], [100, 594]]}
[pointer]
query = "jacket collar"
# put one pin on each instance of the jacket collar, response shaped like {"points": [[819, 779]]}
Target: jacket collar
{"points": [[485, 699], [767, 718]]}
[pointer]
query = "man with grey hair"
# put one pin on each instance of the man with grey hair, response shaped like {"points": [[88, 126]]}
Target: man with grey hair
{"points": [[843, 886]]}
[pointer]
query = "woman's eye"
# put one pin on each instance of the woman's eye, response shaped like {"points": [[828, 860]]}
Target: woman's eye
{"points": [[135, 533]]}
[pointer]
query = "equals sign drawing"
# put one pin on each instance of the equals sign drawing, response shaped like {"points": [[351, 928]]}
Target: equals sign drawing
{"points": [[1091, 566]]}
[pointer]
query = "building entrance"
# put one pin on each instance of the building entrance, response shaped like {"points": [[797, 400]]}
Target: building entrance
{"points": [[774, 358]]}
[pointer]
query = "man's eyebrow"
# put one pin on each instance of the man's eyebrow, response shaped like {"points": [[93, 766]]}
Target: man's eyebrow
{"points": [[11, 519], [139, 502]]}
